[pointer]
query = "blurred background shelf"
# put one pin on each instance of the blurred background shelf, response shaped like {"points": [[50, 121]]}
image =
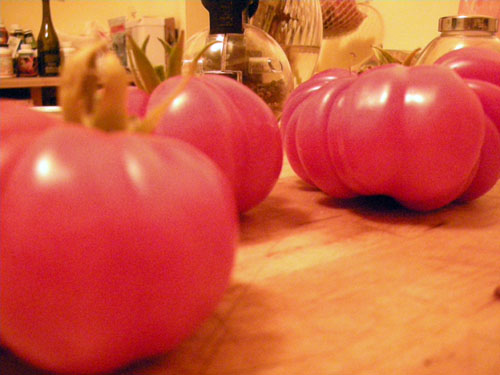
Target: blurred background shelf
{"points": [[40, 90]]}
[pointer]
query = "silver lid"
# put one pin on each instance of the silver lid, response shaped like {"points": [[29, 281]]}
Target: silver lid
{"points": [[468, 23]]}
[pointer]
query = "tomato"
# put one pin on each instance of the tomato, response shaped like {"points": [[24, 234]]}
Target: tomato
{"points": [[417, 134], [474, 62], [137, 101], [115, 246], [231, 124], [489, 166], [295, 100]]}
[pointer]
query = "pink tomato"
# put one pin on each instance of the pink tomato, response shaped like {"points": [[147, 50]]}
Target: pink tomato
{"points": [[115, 246]]}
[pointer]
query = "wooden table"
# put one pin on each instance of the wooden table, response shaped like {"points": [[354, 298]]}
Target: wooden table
{"points": [[34, 84], [358, 287]]}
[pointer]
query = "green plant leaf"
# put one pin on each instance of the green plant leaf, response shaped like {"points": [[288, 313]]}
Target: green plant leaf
{"points": [[174, 63], [167, 47], [160, 71], [385, 57], [146, 73], [409, 59], [145, 44]]}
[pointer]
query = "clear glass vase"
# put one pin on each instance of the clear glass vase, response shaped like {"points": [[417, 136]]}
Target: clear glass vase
{"points": [[297, 25]]}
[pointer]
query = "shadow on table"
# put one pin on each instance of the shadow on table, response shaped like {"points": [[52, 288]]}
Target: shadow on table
{"points": [[475, 214]]}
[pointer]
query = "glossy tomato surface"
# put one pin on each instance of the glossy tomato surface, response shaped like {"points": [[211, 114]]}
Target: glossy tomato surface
{"points": [[415, 134], [474, 63], [232, 125], [114, 246]]}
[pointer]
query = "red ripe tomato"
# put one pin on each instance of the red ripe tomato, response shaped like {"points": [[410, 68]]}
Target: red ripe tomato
{"points": [[474, 63], [115, 246], [137, 101], [419, 135], [232, 125]]}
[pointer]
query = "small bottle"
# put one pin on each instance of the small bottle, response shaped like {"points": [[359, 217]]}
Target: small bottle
{"points": [[26, 62], [16, 32], [6, 62], [49, 54], [458, 32], [29, 38], [4, 34]]}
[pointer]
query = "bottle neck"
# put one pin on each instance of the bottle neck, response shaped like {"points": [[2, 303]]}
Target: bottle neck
{"points": [[46, 11], [226, 17]]}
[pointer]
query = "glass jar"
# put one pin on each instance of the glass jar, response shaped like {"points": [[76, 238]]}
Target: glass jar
{"points": [[459, 32], [27, 65], [252, 58]]}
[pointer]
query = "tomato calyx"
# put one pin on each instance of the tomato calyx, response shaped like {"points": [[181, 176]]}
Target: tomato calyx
{"points": [[81, 98], [93, 91]]}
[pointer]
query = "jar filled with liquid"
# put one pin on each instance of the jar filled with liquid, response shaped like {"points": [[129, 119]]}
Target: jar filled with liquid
{"points": [[459, 32]]}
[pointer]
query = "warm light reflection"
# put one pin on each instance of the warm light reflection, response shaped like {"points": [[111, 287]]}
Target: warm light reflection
{"points": [[376, 100], [217, 47], [43, 167], [414, 98], [47, 170], [134, 170], [177, 102]]}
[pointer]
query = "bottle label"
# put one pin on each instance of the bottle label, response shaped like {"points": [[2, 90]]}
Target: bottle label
{"points": [[6, 65], [50, 64], [27, 65]]}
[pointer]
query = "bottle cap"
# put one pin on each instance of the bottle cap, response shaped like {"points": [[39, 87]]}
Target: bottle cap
{"points": [[226, 16], [468, 23]]}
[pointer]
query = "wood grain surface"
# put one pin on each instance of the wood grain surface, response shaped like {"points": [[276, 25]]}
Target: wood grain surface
{"points": [[356, 287]]}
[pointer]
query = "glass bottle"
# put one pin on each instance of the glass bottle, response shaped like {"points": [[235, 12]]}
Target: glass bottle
{"points": [[4, 35], [243, 52], [458, 32], [49, 55]]}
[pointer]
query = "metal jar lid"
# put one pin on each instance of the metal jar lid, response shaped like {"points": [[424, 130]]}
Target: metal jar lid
{"points": [[468, 23]]}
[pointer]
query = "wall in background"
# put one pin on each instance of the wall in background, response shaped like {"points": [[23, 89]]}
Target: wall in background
{"points": [[409, 24], [71, 16]]}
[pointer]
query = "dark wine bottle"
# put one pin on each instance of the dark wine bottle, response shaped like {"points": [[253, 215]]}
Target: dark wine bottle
{"points": [[49, 55]]}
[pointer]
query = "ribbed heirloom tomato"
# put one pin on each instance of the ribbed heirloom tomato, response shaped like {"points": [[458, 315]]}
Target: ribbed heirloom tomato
{"points": [[417, 134], [218, 115], [232, 125], [115, 246]]}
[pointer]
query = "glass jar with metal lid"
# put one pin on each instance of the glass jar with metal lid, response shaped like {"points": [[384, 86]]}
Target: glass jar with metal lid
{"points": [[461, 31]]}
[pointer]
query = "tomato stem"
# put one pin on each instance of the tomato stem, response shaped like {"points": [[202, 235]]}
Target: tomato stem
{"points": [[80, 97]]}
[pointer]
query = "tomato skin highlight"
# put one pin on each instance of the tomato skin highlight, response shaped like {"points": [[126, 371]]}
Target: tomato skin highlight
{"points": [[115, 246], [417, 134]]}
